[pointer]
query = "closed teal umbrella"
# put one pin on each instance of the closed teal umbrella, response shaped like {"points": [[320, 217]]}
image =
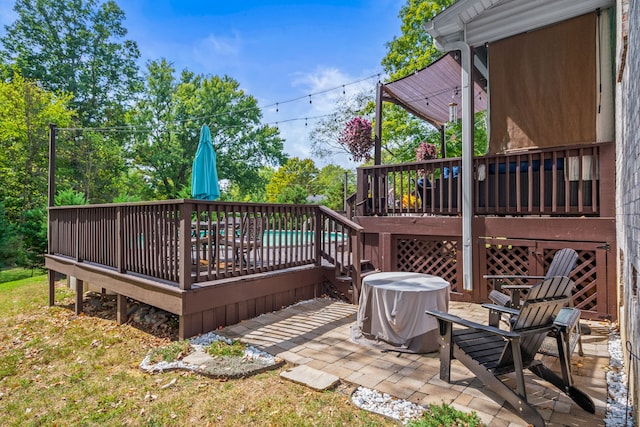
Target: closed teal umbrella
{"points": [[204, 176]]}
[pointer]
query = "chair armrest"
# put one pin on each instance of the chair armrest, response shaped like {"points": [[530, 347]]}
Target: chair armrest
{"points": [[566, 319], [518, 287], [512, 277], [451, 318], [502, 309]]}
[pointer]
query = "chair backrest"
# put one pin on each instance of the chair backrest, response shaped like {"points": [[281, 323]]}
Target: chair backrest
{"points": [[563, 263], [253, 228], [538, 311]]}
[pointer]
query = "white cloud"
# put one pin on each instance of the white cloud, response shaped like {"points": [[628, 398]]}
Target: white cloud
{"points": [[325, 85]]}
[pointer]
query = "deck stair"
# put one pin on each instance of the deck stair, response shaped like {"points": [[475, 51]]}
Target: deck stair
{"points": [[341, 284]]}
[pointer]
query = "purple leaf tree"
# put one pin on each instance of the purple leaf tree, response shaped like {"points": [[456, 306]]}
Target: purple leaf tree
{"points": [[356, 138]]}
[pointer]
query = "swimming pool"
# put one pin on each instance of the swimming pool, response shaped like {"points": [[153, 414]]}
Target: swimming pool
{"points": [[292, 237]]}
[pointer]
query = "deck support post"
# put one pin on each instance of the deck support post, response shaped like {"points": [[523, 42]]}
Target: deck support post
{"points": [[51, 275], [121, 309], [79, 295]]}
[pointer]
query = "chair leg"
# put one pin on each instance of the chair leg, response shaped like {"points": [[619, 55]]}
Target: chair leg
{"points": [[581, 398], [519, 403]]}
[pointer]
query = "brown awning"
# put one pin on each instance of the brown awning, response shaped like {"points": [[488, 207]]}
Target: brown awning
{"points": [[428, 92]]}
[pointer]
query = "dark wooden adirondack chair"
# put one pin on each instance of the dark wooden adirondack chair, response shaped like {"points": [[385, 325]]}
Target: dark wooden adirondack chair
{"points": [[490, 352], [564, 261]]}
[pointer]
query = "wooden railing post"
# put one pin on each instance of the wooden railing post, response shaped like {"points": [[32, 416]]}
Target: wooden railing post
{"points": [[356, 264], [119, 240], [185, 245], [318, 235], [362, 191]]}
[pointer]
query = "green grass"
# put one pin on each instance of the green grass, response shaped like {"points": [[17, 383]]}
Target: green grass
{"points": [[60, 369], [220, 348], [13, 274], [174, 351]]}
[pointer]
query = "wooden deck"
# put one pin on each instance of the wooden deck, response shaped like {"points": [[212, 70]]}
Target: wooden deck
{"points": [[151, 252], [178, 255]]}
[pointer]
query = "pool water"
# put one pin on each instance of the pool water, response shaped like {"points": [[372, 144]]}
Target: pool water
{"points": [[289, 237]]}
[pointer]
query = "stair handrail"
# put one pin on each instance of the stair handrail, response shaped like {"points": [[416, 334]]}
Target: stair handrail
{"points": [[355, 245]]}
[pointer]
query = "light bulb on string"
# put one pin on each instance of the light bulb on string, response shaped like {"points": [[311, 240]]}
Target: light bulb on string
{"points": [[277, 109], [309, 99], [343, 91]]}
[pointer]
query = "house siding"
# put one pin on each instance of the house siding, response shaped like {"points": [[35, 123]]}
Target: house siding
{"points": [[628, 183]]}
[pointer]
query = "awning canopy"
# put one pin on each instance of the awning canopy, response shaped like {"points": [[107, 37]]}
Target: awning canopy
{"points": [[428, 92]]}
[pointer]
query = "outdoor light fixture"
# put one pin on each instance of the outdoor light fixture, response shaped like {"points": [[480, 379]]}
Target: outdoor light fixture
{"points": [[453, 112]]}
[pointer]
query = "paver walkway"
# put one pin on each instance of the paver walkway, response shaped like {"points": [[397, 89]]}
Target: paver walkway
{"points": [[317, 334]]}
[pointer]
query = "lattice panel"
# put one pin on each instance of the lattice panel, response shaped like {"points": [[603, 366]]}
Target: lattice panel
{"points": [[585, 295], [429, 257], [507, 259]]}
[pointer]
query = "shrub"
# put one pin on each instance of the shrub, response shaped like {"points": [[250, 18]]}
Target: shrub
{"points": [[446, 415]]}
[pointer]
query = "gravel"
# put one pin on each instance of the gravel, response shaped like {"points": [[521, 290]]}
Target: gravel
{"points": [[618, 411], [384, 404]]}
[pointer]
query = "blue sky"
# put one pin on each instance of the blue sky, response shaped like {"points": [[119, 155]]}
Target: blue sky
{"points": [[277, 50]]}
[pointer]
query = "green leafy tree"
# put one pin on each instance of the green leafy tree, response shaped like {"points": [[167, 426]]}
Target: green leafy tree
{"points": [[34, 238], [69, 197], [77, 47], [173, 111], [295, 194], [406, 54], [330, 182], [8, 240], [295, 172], [413, 49], [25, 112]]}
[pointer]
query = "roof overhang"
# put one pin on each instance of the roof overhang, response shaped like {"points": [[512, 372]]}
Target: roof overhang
{"points": [[477, 22], [428, 92]]}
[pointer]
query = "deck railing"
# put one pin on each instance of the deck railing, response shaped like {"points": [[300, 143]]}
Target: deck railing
{"points": [[554, 181], [185, 242]]}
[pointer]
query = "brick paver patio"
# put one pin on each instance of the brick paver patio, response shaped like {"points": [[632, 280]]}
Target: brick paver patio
{"points": [[318, 334]]}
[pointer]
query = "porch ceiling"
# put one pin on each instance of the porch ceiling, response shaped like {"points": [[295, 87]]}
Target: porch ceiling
{"points": [[482, 21], [428, 92]]}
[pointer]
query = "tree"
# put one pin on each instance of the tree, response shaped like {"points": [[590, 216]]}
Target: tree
{"points": [[25, 111], [8, 240], [34, 238], [330, 181], [414, 49], [76, 47], [79, 47], [406, 54], [295, 172], [171, 112], [326, 134]]}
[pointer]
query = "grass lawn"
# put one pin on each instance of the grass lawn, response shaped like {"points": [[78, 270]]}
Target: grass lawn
{"points": [[60, 369]]}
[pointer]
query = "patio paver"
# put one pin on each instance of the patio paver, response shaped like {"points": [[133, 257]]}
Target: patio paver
{"points": [[318, 334]]}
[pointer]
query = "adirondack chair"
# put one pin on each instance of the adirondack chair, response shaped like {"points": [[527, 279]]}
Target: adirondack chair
{"points": [[490, 352], [564, 261]]}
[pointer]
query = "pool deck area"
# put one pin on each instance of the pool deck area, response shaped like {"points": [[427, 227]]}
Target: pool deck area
{"points": [[317, 333]]}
